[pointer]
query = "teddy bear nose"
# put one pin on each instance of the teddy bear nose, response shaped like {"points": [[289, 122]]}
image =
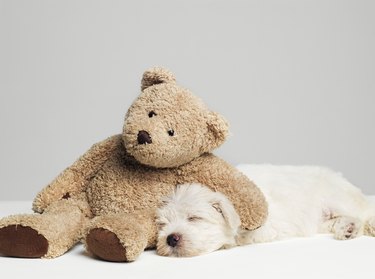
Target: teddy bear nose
{"points": [[144, 137]]}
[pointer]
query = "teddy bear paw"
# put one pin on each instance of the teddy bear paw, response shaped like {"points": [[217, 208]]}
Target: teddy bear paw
{"points": [[22, 241], [105, 245]]}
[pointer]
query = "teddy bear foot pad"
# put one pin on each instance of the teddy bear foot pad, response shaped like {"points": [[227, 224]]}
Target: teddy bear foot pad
{"points": [[105, 245], [22, 241]]}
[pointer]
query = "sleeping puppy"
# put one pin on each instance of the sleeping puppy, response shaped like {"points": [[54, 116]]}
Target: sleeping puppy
{"points": [[195, 220], [302, 201]]}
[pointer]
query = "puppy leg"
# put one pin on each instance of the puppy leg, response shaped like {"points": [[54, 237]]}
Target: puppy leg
{"points": [[342, 227], [370, 227], [263, 234], [244, 237]]}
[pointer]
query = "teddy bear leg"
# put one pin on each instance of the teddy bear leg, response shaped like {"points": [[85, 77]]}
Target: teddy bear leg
{"points": [[46, 235], [121, 237]]}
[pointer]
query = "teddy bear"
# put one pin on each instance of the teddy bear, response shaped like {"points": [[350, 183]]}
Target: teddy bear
{"points": [[109, 196]]}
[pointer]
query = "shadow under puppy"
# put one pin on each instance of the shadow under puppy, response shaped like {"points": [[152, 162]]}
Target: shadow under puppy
{"points": [[302, 200]]}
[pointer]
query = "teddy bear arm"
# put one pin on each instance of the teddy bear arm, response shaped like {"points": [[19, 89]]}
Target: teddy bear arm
{"points": [[73, 180], [246, 197]]}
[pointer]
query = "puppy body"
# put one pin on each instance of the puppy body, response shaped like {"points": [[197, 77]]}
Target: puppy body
{"points": [[302, 201]]}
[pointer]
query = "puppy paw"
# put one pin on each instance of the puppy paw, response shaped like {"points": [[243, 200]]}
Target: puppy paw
{"points": [[347, 228], [370, 227]]}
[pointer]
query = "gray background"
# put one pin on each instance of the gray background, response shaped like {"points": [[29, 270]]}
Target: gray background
{"points": [[296, 79]]}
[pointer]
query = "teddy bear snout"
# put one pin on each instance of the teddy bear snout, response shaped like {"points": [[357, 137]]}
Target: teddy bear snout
{"points": [[144, 137]]}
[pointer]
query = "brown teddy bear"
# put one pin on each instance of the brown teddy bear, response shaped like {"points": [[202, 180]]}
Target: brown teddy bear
{"points": [[109, 195]]}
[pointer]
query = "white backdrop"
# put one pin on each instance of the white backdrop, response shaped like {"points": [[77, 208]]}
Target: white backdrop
{"points": [[295, 79]]}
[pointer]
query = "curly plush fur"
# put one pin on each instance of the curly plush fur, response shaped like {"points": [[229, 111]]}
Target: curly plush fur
{"points": [[108, 197]]}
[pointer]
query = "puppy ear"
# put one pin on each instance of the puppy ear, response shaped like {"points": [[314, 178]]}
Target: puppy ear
{"points": [[223, 206], [156, 75]]}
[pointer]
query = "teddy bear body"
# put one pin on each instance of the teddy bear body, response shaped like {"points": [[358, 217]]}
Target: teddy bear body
{"points": [[126, 178], [108, 197], [113, 188]]}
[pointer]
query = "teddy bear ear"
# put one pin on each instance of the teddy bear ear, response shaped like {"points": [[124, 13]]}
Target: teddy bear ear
{"points": [[218, 130], [156, 75]]}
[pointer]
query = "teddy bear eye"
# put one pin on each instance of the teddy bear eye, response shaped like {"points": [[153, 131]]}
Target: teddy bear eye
{"points": [[171, 132], [151, 114]]}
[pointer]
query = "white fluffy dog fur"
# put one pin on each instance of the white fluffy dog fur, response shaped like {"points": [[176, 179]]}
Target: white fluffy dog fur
{"points": [[201, 220], [302, 201]]}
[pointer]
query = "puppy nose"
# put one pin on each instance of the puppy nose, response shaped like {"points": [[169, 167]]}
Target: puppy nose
{"points": [[143, 137], [173, 239]]}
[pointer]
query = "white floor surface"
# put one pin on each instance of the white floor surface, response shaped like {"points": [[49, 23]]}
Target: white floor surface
{"points": [[316, 257]]}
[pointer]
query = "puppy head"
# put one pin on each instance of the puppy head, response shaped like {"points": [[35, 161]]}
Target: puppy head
{"points": [[195, 220]]}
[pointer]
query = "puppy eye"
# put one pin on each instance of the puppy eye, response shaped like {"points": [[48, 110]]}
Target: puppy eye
{"points": [[152, 114], [194, 218], [217, 208], [161, 225], [171, 132]]}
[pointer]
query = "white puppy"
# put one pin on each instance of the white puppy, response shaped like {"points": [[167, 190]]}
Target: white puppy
{"points": [[195, 220], [302, 201]]}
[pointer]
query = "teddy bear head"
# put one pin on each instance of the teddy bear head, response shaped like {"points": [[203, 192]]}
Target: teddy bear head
{"points": [[167, 126]]}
